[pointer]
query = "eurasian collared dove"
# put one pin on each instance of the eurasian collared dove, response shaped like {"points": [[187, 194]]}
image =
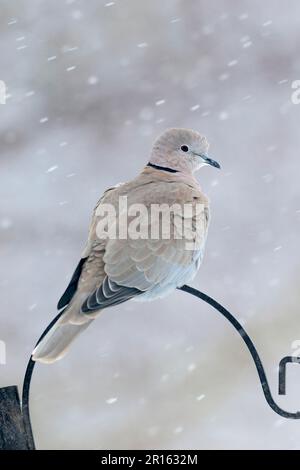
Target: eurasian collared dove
{"points": [[114, 269]]}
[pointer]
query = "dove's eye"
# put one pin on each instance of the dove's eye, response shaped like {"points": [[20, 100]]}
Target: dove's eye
{"points": [[184, 148]]}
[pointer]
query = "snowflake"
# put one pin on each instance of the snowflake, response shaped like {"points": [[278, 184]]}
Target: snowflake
{"points": [[200, 397], [112, 400], [52, 168]]}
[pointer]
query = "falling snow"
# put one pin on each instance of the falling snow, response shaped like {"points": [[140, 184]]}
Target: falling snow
{"points": [[223, 115], [200, 397], [112, 400], [71, 68], [5, 223], [178, 430], [52, 168], [142, 45], [89, 87], [93, 80]]}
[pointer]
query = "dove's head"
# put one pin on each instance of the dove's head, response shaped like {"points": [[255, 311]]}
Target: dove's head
{"points": [[182, 150]]}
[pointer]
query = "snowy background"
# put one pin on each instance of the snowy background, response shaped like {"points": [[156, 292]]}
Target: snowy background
{"points": [[90, 85]]}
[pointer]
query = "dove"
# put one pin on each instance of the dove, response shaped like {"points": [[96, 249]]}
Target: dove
{"points": [[138, 266]]}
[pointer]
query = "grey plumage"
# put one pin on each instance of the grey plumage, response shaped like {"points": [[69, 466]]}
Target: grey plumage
{"points": [[112, 271]]}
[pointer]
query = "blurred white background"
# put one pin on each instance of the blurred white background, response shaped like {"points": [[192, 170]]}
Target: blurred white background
{"points": [[90, 85]]}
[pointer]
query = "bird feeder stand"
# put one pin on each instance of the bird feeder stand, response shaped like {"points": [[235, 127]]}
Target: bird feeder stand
{"points": [[15, 425]]}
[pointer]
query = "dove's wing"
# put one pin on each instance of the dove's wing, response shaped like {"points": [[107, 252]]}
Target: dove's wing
{"points": [[134, 267], [108, 294], [72, 286], [88, 254]]}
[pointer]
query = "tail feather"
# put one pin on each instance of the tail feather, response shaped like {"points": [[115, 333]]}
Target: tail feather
{"points": [[57, 341]]}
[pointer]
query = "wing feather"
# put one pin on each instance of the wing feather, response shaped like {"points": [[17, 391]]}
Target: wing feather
{"points": [[72, 286], [107, 295]]}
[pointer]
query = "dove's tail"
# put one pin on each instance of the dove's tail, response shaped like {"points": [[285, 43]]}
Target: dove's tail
{"points": [[57, 341]]}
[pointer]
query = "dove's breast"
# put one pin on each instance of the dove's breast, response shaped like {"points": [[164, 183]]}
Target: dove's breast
{"points": [[158, 264]]}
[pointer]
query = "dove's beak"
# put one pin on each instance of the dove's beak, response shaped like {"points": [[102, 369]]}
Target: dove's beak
{"points": [[209, 161]]}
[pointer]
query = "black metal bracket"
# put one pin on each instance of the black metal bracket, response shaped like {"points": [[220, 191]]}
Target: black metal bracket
{"points": [[282, 372], [253, 351], [27, 382], [238, 327]]}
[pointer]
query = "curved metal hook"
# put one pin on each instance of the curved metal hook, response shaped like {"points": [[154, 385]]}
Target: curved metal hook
{"points": [[246, 338], [190, 290], [282, 372], [27, 382]]}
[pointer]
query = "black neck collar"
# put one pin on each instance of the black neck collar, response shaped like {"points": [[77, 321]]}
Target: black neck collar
{"points": [[162, 168]]}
